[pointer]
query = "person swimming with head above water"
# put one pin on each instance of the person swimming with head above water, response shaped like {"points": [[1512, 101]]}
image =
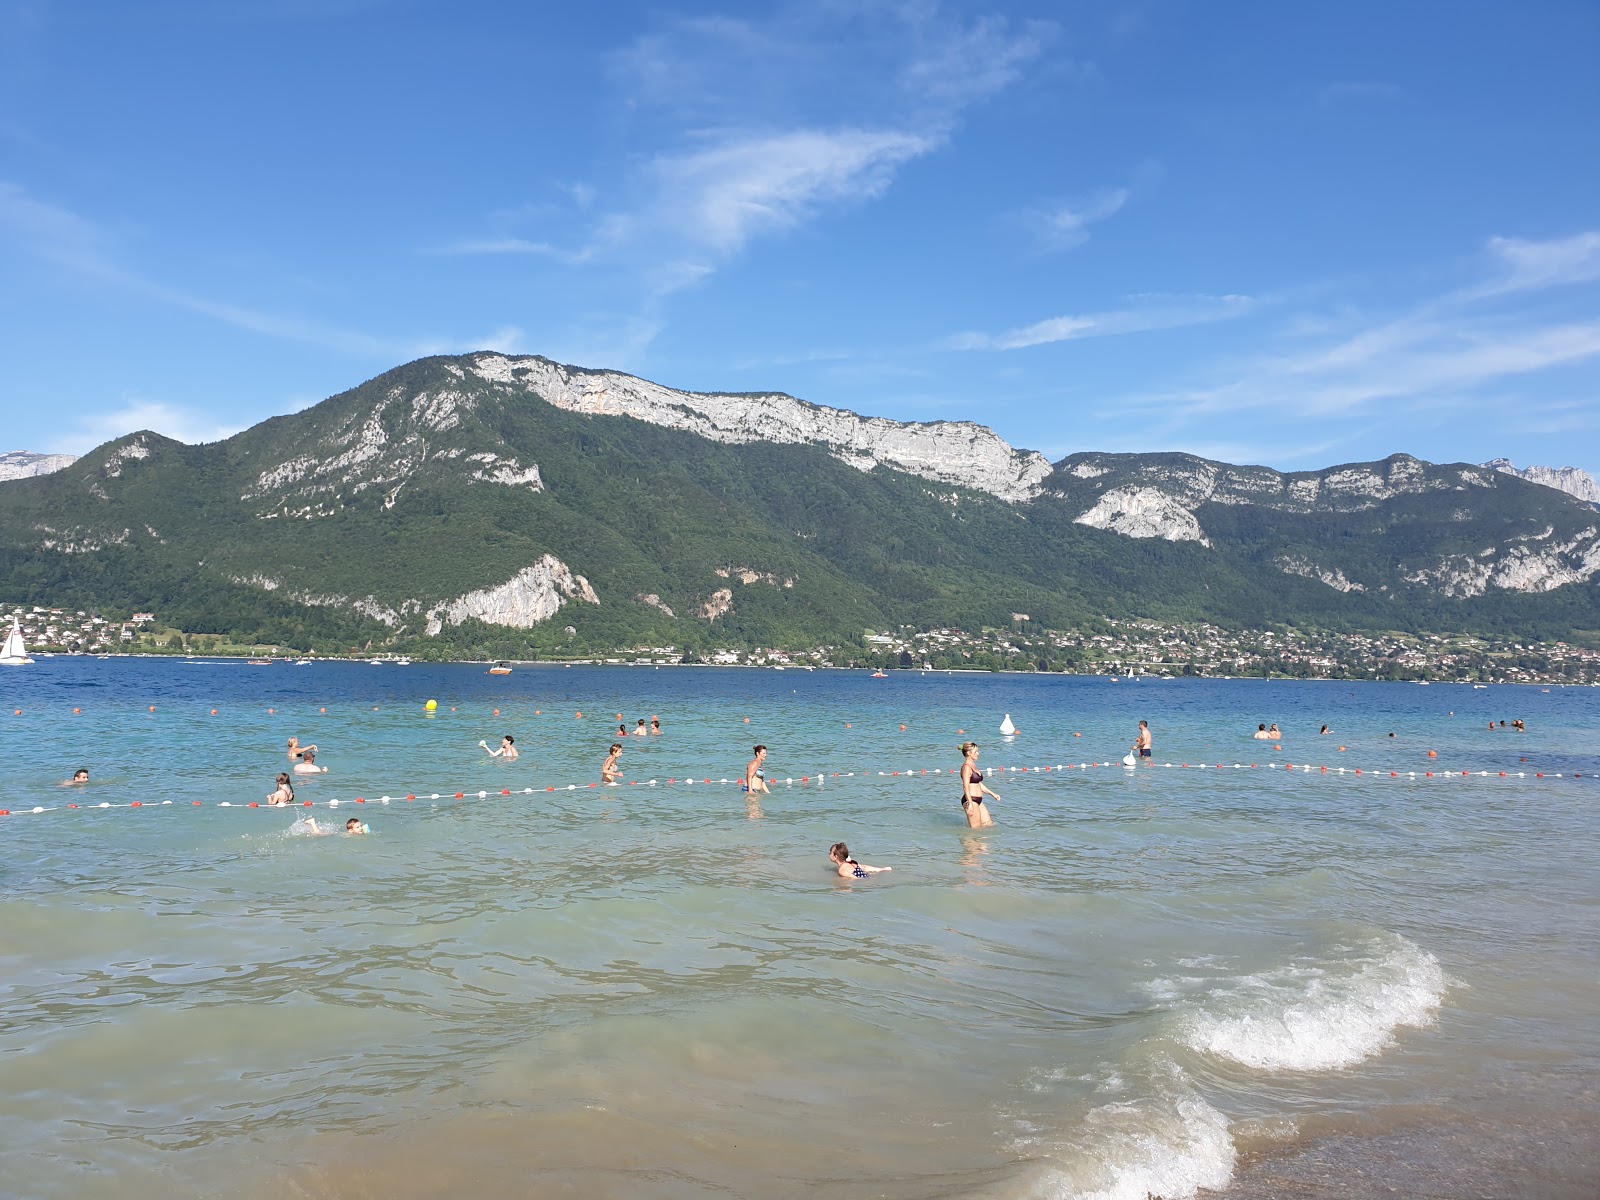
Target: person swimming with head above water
{"points": [[508, 748], [848, 867], [308, 763], [296, 749], [641, 729], [284, 793], [354, 825], [80, 776]]}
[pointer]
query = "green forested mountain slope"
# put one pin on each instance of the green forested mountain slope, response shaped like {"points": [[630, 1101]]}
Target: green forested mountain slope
{"points": [[434, 498]]}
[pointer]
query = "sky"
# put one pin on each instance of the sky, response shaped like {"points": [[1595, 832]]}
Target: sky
{"points": [[1289, 234]]}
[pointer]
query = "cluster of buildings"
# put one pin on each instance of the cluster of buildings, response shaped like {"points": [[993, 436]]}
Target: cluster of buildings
{"points": [[1110, 647], [64, 631], [1136, 647]]}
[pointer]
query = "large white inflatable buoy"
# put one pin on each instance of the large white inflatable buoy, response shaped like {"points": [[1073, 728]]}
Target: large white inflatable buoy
{"points": [[1128, 760], [1006, 727]]}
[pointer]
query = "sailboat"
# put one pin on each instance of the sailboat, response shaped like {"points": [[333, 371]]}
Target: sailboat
{"points": [[14, 653]]}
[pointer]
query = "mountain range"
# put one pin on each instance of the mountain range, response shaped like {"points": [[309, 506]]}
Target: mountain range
{"points": [[512, 505]]}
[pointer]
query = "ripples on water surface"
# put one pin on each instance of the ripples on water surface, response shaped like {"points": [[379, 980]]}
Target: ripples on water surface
{"points": [[1140, 981]]}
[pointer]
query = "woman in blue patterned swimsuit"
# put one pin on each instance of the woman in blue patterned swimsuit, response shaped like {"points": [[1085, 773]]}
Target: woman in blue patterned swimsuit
{"points": [[849, 867]]}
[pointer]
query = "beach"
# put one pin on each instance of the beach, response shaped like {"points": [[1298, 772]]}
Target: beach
{"points": [[1170, 980]]}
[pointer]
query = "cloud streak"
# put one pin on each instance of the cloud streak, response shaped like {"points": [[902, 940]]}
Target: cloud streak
{"points": [[1195, 310], [1441, 351]]}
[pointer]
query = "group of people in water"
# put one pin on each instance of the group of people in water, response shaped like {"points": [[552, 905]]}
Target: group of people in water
{"points": [[975, 792]]}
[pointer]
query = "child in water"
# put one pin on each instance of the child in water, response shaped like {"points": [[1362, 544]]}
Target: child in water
{"points": [[285, 791], [609, 769], [849, 867]]}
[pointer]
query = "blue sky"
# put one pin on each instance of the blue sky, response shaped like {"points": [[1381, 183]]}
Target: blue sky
{"points": [[1282, 233]]}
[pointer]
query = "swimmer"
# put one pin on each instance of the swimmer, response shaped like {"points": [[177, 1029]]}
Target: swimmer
{"points": [[1261, 734], [507, 751], [308, 827], [755, 776], [622, 729], [296, 749], [308, 763], [1325, 729], [81, 775], [848, 867], [641, 730], [1273, 732], [284, 793], [609, 769], [973, 791], [354, 825], [655, 724]]}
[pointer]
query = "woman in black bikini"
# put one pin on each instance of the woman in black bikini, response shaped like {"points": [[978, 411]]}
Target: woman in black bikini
{"points": [[973, 791]]}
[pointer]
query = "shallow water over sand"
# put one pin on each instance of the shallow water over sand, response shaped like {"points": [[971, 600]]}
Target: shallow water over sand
{"points": [[1156, 980]]}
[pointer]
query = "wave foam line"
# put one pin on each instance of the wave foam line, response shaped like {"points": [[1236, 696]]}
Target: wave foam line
{"points": [[1307, 1017], [1169, 1143]]}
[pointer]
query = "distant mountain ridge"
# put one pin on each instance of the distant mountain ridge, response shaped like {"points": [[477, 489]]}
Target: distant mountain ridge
{"points": [[489, 504], [23, 464], [1564, 479]]}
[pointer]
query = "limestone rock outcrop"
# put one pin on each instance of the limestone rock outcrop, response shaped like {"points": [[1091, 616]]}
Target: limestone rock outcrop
{"points": [[959, 452]]}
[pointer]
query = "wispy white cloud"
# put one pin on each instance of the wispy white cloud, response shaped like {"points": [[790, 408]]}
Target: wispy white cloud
{"points": [[1190, 310], [135, 413], [724, 196], [1438, 352], [761, 126], [1066, 226], [1528, 265], [60, 237]]}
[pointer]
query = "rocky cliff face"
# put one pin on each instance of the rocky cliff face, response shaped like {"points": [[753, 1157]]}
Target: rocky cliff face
{"points": [[959, 452], [1564, 479], [22, 464]]}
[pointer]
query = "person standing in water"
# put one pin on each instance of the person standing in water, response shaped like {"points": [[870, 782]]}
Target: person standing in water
{"points": [[308, 763], [755, 776], [641, 730], [284, 793], [655, 724], [973, 791], [1141, 744], [609, 769], [297, 751]]}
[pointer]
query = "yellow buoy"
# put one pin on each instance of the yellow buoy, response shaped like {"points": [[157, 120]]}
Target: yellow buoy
{"points": [[431, 705]]}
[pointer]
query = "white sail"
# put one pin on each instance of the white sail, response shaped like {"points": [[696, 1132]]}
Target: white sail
{"points": [[14, 651], [1006, 727]]}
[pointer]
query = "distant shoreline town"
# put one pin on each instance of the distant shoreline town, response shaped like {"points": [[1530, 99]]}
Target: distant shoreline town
{"points": [[1116, 647]]}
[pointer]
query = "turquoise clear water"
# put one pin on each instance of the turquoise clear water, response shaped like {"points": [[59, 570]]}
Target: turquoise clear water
{"points": [[1147, 981]]}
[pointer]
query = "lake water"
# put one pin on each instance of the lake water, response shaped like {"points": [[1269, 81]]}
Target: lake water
{"points": [[1158, 980]]}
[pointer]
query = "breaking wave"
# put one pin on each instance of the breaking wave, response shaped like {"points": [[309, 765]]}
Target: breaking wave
{"points": [[1162, 1140], [1314, 1014]]}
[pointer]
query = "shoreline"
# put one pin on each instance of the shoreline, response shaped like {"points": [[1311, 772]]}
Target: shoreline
{"points": [[1119, 677]]}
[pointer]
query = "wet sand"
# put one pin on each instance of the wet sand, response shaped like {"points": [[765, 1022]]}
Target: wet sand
{"points": [[1479, 1156]]}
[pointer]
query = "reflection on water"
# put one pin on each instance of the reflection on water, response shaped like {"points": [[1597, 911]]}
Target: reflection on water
{"points": [[1143, 981]]}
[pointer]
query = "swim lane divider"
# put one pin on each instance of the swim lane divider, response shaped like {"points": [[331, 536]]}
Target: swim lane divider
{"points": [[817, 780]]}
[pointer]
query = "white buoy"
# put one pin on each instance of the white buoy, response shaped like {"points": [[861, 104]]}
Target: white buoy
{"points": [[1128, 760], [1006, 727]]}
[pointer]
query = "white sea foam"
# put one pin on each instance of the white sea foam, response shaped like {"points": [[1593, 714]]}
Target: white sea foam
{"points": [[1164, 1140], [1315, 1014]]}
